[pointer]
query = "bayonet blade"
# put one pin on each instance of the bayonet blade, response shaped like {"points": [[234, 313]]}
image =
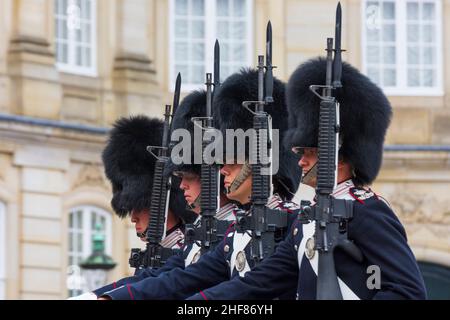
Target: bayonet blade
{"points": [[337, 62], [269, 43], [216, 64], [269, 74], [176, 94]]}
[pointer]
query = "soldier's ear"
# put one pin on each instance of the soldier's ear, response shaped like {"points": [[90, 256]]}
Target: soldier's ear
{"points": [[345, 169]]}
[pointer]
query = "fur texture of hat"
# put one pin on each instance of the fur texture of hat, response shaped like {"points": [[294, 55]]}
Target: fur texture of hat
{"points": [[193, 105], [365, 114], [130, 167]]}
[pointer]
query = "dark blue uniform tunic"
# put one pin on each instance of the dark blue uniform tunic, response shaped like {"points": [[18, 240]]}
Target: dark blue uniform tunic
{"points": [[212, 268], [375, 230]]}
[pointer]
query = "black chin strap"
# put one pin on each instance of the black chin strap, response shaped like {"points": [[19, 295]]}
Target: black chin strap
{"points": [[142, 234], [309, 175], [194, 205], [245, 171]]}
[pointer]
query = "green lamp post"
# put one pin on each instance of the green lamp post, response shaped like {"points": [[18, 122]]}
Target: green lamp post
{"points": [[96, 266]]}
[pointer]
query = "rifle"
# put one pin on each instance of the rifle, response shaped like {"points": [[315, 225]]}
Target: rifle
{"points": [[331, 215], [263, 221], [155, 255], [210, 231]]}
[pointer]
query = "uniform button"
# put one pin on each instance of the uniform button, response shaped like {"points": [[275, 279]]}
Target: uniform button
{"points": [[226, 248], [240, 261], [309, 250], [295, 247], [295, 231]]}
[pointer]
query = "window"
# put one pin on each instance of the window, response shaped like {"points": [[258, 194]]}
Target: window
{"points": [[82, 222], [2, 252], [75, 31], [194, 27], [402, 46]]}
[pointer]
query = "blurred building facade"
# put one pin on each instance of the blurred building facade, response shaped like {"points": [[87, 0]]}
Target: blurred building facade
{"points": [[69, 68]]}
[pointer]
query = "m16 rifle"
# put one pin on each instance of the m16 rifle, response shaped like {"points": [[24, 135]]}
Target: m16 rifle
{"points": [[330, 215], [155, 255], [210, 231], [263, 222]]}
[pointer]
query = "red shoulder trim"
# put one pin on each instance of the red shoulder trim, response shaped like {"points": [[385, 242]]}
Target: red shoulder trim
{"points": [[203, 295], [354, 196], [129, 291], [227, 232]]}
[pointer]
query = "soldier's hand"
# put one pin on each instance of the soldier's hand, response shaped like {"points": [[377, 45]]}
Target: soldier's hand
{"points": [[104, 298], [84, 296]]}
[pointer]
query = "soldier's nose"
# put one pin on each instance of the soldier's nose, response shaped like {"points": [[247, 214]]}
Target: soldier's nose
{"points": [[303, 162], [223, 171]]}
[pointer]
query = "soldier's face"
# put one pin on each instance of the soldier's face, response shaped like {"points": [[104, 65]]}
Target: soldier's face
{"points": [[191, 185], [140, 220], [241, 194]]}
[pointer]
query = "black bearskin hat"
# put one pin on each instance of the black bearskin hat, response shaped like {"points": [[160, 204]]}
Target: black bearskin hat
{"points": [[365, 114], [130, 167], [193, 105], [230, 114]]}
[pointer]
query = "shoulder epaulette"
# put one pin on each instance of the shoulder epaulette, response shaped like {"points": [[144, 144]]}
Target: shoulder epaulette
{"points": [[361, 194]]}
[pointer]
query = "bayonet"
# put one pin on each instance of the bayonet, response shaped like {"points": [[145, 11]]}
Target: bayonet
{"points": [[176, 94], [269, 73], [337, 62], [216, 65]]}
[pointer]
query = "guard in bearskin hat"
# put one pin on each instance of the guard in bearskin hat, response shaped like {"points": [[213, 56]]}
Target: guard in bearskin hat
{"points": [[363, 122], [230, 114], [194, 106], [387, 268], [130, 169], [230, 259]]}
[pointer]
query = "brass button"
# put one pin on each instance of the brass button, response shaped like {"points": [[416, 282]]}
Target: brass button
{"points": [[295, 231], [309, 249], [226, 248], [240, 261]]}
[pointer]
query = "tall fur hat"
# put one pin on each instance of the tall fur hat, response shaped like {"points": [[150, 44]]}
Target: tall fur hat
{"points": [[130, 168], [365, 114], [230, 114], [193, 105]]}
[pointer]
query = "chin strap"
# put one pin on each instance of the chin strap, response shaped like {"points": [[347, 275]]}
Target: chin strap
{"points": [[310, 175], [246, 170], [142, 234], [194, 205]]}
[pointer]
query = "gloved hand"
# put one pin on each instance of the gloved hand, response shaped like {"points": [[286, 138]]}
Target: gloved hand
{"points": [[84, 296]]}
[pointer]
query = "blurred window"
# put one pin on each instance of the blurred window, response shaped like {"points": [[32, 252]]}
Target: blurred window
{"points": [[75, 36], [82, 222], [194, 27], [2, 252], [402, 45]]}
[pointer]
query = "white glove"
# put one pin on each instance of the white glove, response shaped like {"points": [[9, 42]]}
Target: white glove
{"points": [[84, 296]]}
